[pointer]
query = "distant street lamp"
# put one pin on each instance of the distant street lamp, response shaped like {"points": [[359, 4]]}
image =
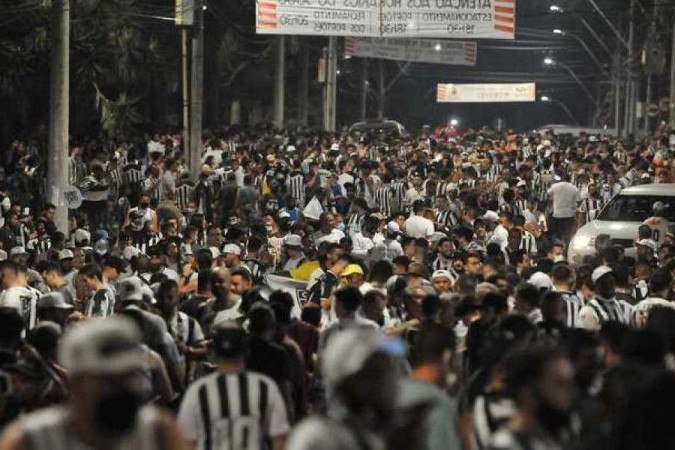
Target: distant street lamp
{"points": [[454, 122], [547, 99], [438, 47], [548, 61], [555, 8]]}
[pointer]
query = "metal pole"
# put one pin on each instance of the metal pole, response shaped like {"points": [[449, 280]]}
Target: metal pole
{"points": [[609, 23], [326, 106], [186, 87], [650, 75], [566, 109], [197, 89], [332, 82], [304, 84], [618, 75], [279, 94], [580, 83], [595, 36], [382, 90], [672, 83], [57, 169], [630, 87], [364, 89]]}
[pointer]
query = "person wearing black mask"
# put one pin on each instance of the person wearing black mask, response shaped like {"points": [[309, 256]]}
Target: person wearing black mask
{"points": [[104, 360], [541, 382]]}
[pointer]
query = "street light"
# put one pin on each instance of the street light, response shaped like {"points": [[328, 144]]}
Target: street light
{"points": [[547, 99], [558, 31], [555, 8], [548, 61], [454, 122], [438, 47]]}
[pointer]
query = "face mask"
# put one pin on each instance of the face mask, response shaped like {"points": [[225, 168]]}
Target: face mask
{"points": [[115, 412], [341, 227], [558, 258]]}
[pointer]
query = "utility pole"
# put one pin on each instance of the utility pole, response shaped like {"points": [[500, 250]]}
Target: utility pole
{"points": [[330, 91], [279, 93], [57, 169], [303, 107], [197, 89], [618, 76], [672, 84], [382, 94], [185, 73], [364, 89], [651, 40], [631, 82]]}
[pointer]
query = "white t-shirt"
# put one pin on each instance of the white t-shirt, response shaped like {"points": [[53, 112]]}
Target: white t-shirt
{"points": [[659, 227], [565, 198], [418, 227], [243, 410], [361, 245], [217, 156], [24, 300]]}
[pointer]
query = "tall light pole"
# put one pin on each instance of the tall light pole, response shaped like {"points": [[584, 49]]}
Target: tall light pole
{"points": [[57, 167], [559, 32], [548, 99], [197, 89], [279, 92], [551, 62]]}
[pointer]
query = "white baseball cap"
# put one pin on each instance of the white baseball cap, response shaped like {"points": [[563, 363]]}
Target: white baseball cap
{"points": [[599, 272], [650, 243], [348, 351], [232, 248], [541, 281], [293, 240], [18, 250], [441, 274], [110, 346], [130, 290], [66, 254]]}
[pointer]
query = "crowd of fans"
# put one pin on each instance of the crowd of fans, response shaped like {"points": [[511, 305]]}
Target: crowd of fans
{"points": [[336, 291]]}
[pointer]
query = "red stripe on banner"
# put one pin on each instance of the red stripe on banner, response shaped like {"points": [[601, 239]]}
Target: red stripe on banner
{"points": [[504, 28], [510, 2], [507, 19], [267, 15], [271, 5], [505, 9], [268, 25]]}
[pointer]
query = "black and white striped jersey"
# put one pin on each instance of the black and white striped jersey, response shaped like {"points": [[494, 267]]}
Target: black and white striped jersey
{"points": [[233, 411], [572, 304], [184, 195], [295, 184]]}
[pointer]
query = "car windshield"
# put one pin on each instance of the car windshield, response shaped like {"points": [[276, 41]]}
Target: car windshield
{"points": [[636, 208]]}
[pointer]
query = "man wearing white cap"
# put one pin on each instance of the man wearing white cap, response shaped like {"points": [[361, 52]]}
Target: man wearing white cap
{"points": [[362, 381], [293, 245], [104, 359], [604, 307], [232, 256]]}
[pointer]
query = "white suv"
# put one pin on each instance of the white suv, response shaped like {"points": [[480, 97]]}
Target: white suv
{"points": [[621, 218]]}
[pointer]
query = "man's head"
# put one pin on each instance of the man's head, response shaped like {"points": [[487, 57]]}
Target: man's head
{"points": [[112, 267], [105, 362], [353, 275], [374, 303], [527, 298], [232, 255], [261, 320], [167, 297], [240, 281], [358, 366], [473, 263], [52, 274], [347, 301], [91, 275], [442, 281], [541, 380], [435, 345], [604, 284], [11, 274], [557, 251]]}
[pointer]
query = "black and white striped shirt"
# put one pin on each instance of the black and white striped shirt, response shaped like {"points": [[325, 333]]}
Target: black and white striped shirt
{"points": [[383, 200], [242, 411], [447, 218], [39, 245], [528, 243], [296, 188], [184, 195], [572, 305], [591, 207]]}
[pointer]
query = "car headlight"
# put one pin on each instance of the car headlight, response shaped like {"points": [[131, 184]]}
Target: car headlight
{"points": [[583, 242]]}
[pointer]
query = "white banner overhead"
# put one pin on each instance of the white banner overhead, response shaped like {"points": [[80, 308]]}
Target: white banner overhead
{"points": [[459, 19], [458, 53], [486, 93]]}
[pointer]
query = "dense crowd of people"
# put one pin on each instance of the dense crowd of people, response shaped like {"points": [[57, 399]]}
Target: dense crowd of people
{"points": [[337, 291]]}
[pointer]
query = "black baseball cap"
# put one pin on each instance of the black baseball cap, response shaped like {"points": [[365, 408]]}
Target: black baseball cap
{"points": [[228, 340]]}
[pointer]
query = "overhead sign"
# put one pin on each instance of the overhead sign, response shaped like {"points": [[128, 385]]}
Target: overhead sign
{"points": [[458, 53], [459, 19], [486, 93]]}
